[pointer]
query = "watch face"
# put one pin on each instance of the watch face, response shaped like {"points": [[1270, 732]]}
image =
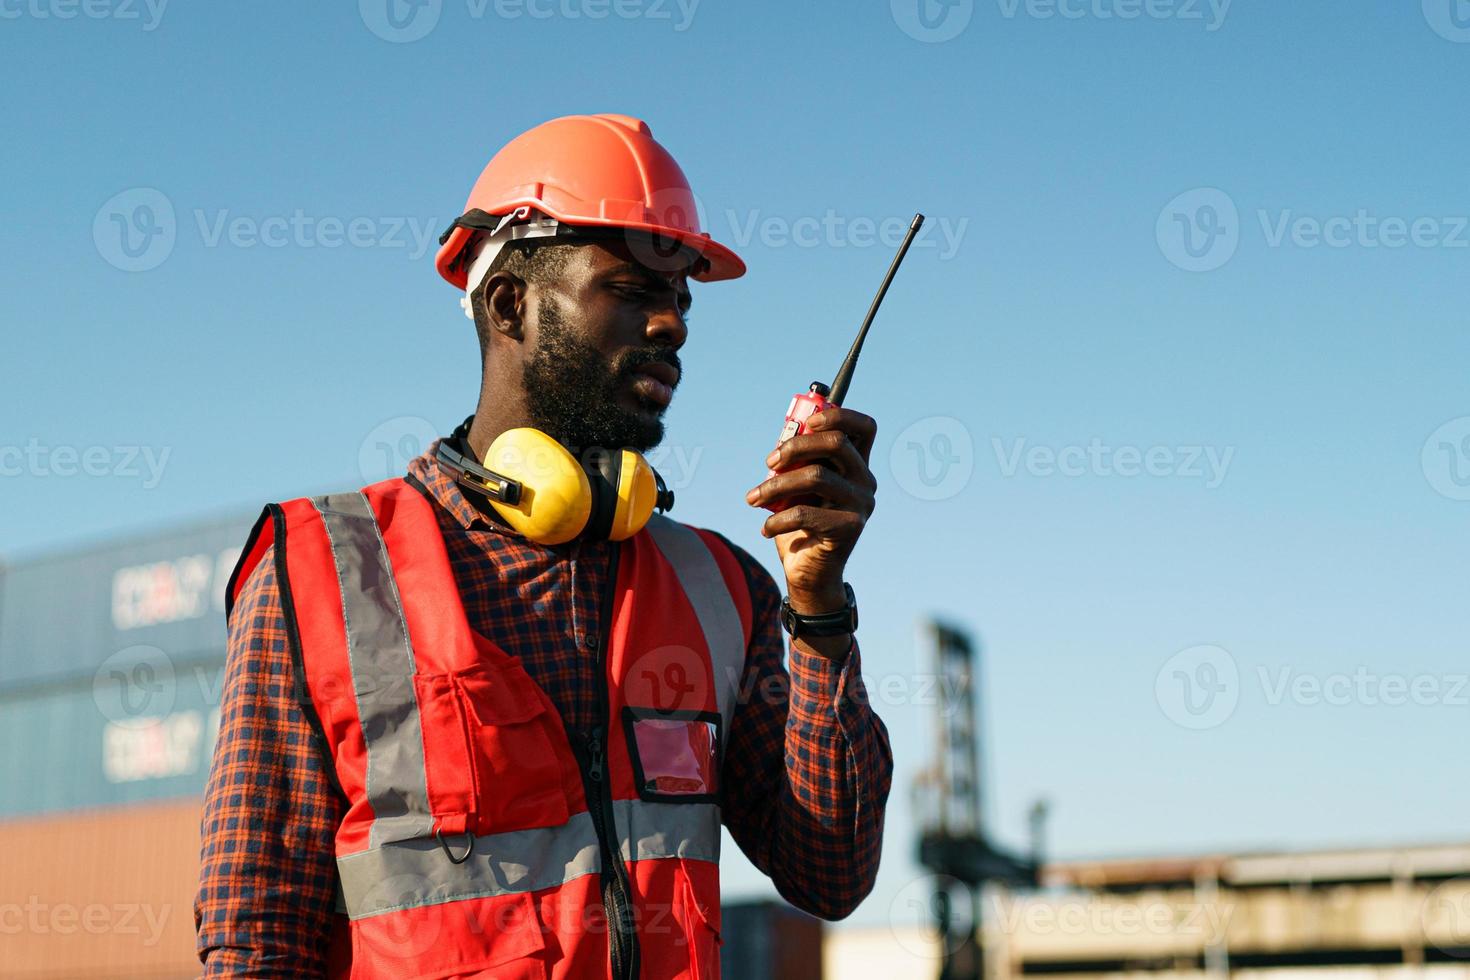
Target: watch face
{"points": [[788, 618]]}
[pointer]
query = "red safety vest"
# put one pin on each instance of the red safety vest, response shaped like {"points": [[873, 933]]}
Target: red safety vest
{"points": [[480, 840]]}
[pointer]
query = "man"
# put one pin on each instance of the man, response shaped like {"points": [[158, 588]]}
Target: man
{"points": [[487, 720]]}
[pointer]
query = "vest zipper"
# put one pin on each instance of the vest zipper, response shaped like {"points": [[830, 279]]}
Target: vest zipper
{"points": [[622, 938]]}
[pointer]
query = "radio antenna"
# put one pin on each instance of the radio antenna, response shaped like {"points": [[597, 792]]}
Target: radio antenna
{"points": [[844, 373]]}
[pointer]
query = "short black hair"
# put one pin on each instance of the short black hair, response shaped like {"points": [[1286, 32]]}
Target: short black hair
{"points": [[528, 260]]}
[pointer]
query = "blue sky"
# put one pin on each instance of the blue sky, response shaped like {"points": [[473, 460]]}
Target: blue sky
{"points": [[1172, 399]]}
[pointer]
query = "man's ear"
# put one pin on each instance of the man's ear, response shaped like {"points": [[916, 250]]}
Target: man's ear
{"points": [[503, 298]]}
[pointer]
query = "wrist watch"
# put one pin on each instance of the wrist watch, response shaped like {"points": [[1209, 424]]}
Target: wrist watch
{"points": [[837, 623]]}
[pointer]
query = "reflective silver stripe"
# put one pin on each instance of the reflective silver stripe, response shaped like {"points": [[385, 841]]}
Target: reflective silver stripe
{"points": [[382, 669], [700, 576], [662, 830], [415, 873]]}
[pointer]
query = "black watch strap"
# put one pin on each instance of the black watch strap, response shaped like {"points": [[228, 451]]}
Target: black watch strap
{"points": [[836, 623]]}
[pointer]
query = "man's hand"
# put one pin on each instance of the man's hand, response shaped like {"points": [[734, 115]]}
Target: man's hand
{"points": [[830, 462]]}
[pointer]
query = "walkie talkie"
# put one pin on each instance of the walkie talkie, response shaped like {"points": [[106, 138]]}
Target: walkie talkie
{"points": [[819, 397]]}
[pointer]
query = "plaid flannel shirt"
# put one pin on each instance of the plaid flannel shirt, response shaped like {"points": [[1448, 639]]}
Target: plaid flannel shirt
{"points": [[807, 768]]}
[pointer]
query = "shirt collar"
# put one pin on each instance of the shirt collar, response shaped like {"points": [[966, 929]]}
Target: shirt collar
{"points": [[445, 491]]}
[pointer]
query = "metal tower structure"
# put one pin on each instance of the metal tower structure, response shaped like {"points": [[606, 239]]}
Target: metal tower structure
{"points": [[953, 843]]}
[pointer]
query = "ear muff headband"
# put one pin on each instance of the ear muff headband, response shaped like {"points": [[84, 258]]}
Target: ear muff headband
{"points": [[605, 471], [466, 471]]}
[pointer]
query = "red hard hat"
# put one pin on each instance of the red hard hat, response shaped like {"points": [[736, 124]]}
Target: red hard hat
{"points": [[602, 171]]}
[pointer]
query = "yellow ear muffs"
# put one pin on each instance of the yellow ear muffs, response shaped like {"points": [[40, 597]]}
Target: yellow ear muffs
{"points": [[546, 494], [556, 494], [637, 494]]}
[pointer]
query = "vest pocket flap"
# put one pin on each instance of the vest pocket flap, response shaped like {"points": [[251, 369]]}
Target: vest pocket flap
{"points": [[519, 934], [517, 769], [698, 912], [448, 759], [701, 923], [499, 695]]}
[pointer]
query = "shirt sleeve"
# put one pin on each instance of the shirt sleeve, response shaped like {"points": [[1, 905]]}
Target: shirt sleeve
{"points": [[808, 766], [267, 877]]}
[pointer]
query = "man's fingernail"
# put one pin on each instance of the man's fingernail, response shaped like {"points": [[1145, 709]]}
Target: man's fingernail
{"points": [[751, 494], [774, 458]]}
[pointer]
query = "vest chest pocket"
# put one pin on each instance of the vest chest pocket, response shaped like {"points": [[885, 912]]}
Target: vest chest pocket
{"points": [[510, 767], [675, 754]]}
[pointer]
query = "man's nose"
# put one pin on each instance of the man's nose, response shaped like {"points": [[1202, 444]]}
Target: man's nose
{"points": [[667, 328]]}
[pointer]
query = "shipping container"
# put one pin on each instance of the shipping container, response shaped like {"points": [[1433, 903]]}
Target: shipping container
{"points": [[111, 665], [101, 893], [63, 617], [79, 746], [769, 940]]}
